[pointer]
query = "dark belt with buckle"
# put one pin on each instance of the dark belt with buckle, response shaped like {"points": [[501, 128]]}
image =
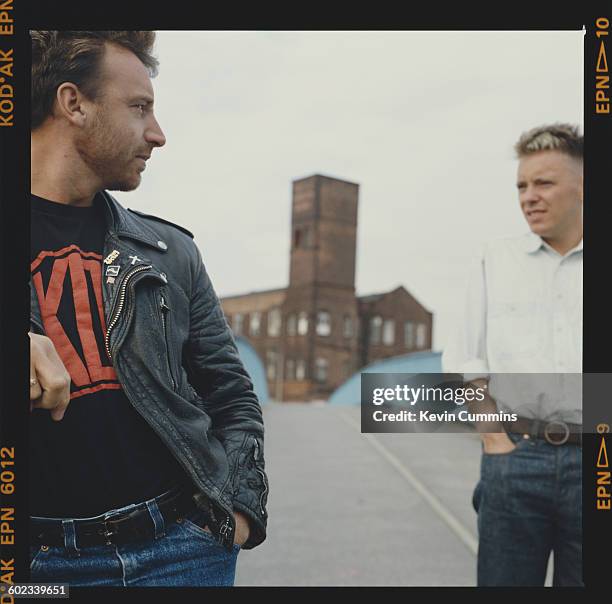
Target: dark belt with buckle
{"points": [[133, 525], [554, 432]]}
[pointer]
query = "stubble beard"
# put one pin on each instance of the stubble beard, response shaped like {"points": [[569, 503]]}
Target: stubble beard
{"points": [[106, 154]]}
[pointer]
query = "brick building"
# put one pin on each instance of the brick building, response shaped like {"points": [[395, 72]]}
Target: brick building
{"points": [[315, 333]]}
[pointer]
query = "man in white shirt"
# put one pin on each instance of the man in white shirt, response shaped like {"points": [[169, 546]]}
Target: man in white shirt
{"points": [[523, 316]]}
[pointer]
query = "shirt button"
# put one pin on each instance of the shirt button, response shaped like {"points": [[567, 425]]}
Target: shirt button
{"points": [[162, 245]]}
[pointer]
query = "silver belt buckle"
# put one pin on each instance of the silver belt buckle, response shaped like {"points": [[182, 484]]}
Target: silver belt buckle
{"points": [[113, 516], [548, 433]]}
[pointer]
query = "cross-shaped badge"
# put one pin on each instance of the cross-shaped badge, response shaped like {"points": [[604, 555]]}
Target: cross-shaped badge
{"points": [[135, 259]]}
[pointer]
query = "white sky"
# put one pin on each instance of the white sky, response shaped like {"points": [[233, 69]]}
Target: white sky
{"points": [[425, 122]]}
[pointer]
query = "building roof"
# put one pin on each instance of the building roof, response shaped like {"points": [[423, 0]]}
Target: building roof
{"points": [[254, 293], [258, 301], [375, 297], [371, 298], [326, 177]]}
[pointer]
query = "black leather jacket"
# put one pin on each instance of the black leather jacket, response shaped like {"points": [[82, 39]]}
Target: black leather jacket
{"points": [[177, 362]]}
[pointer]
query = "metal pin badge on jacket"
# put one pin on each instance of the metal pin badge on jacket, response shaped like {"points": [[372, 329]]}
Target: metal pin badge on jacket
{"points": [[110, 280], [111, 257], [135, 259], [113, 270]]}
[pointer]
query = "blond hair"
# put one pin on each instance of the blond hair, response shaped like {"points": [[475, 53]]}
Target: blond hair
{"points": [[565, 138]]}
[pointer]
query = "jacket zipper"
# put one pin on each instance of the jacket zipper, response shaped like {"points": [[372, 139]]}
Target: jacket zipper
{"points": [[226, 527], [263, 476], [120, 306], [164, 310]]}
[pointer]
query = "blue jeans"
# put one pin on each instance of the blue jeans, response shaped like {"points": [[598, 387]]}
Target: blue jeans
{"points": [[181, 554], [529, 503]]}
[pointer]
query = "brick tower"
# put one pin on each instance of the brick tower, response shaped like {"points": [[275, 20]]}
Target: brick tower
{"points": [[320, 308]]}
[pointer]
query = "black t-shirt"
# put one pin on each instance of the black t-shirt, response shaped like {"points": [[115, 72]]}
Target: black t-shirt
{"points": [[102, 455]]}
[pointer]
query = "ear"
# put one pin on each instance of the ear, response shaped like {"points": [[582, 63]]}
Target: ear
{"points": [[69, 103]]}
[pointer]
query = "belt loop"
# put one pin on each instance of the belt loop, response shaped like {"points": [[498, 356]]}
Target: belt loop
{"points": [[158, 519], [535, 428], [69, 532]]}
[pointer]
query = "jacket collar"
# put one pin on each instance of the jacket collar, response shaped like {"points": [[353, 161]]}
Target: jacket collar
{"points": [[125, 224]]}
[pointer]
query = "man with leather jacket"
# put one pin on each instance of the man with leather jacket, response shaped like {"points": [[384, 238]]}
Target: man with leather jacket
{"points": [[146, 454]]}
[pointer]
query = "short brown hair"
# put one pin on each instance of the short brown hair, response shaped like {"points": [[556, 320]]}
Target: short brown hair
{"points": [[554, 137], [75, 56]]}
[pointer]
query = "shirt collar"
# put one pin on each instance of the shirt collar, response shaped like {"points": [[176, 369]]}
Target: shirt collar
{"points": [[578, 248], [534, 242]]}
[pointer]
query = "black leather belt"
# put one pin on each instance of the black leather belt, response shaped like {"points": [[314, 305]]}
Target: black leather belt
{"points": [[553, 432], [133, 525]]}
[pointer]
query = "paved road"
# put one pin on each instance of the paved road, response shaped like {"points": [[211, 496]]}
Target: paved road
{"points": [[353, 509]]}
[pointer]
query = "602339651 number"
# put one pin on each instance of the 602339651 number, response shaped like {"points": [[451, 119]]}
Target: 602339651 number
{"points": [[40, 590]]}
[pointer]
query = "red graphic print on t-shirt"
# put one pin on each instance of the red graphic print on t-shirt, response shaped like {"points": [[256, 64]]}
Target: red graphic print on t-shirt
{"points": [[87, 371]]}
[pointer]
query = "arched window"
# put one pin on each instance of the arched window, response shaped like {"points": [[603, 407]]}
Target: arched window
{"points": [[274, 322], [302, 325], [347, 327], [409, 334], [271, 360], [255, 324], [375, 329], [421, 335], [291, 325], [237, 323], [300, 370], [320, 372], [323, 323], [389, 332]]}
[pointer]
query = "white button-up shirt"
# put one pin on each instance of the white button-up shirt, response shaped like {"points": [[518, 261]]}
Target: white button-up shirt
{"points": [[523, 315]]}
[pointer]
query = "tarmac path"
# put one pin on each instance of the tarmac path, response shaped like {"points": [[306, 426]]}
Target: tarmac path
{"points": [[347, 508]]}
